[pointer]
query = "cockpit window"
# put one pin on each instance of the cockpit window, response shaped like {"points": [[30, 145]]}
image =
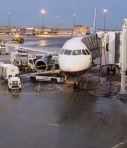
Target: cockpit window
{"points": [[76, 52], [84, 52], [67, 52], [87, 52], [62, 51]]}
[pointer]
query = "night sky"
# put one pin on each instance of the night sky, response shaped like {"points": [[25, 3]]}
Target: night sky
{"points": [[27, 13]]}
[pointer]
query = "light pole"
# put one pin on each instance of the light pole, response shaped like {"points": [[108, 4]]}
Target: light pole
{"points": [[43, 14], [57, 23], [9, 19], [104, 11], [74, 19]]}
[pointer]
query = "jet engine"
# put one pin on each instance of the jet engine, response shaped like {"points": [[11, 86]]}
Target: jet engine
{"points": [[45, 63]]}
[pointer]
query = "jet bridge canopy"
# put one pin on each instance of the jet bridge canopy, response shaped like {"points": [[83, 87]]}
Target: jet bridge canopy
{"points": [[93, 44]]}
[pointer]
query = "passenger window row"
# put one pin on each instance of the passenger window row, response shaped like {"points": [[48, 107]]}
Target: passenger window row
{"points": [[75, 52]]}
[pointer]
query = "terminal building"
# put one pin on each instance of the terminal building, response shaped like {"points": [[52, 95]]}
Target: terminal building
{"points": [[11, 30], [79, 29]]}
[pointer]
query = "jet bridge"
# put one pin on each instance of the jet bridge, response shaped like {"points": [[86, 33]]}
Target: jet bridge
{"points": [[113, 48], [108, 43]]}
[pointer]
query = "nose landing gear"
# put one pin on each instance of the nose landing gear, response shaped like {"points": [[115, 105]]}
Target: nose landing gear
{"points": [[76, 85]]}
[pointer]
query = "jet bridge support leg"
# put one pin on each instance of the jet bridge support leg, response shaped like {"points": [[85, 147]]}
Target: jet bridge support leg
{"points": [[123, 57]]}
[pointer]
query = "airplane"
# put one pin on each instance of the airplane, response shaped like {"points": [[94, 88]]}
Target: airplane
{"points": [[77, 55]]}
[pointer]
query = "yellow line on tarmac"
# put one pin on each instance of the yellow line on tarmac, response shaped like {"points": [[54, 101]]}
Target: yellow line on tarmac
{"points": [[51, 124], [69, 82]]}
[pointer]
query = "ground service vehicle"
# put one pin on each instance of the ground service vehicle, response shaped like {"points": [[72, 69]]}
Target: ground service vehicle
{"points": [[19, 39], [3, 49], [14, 83], [21, 59], [47, 77], [10, 73]]}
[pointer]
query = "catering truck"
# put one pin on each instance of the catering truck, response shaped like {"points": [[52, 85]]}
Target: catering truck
{"points": [[10, 73], [22, 59]]}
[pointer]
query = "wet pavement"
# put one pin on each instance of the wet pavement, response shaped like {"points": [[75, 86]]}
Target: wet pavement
{"points": [[45, 115]]}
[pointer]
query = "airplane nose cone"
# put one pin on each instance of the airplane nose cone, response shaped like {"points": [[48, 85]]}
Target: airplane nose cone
{"points": [[74, 63]]}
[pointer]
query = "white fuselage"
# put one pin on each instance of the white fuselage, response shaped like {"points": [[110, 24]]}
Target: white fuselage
{"points": [[74, 58]]}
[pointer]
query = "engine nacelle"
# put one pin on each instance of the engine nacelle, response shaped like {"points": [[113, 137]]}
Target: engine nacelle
{"points": [[45, 63]]}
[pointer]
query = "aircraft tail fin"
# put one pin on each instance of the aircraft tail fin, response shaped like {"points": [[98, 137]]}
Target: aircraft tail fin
{"points": [[94, 27]]}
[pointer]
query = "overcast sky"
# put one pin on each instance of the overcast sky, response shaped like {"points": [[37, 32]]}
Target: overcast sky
{"points": [[28, 12]]}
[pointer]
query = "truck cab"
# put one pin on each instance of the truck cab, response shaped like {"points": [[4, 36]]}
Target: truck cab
{"points": [[14, 83]]}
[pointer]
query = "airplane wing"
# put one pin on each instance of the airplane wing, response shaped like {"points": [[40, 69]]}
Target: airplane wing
{"points": [[93, 44], [19, 47], [34, 49]]}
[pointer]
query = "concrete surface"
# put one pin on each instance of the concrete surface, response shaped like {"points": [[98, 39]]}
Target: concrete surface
{"points": [[45, 115]]}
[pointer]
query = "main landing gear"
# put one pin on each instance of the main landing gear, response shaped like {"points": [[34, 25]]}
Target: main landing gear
{"points": [[76, 85]]}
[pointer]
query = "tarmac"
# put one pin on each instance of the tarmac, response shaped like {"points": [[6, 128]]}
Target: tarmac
{"points": [[56, 116], [45, 115]]}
